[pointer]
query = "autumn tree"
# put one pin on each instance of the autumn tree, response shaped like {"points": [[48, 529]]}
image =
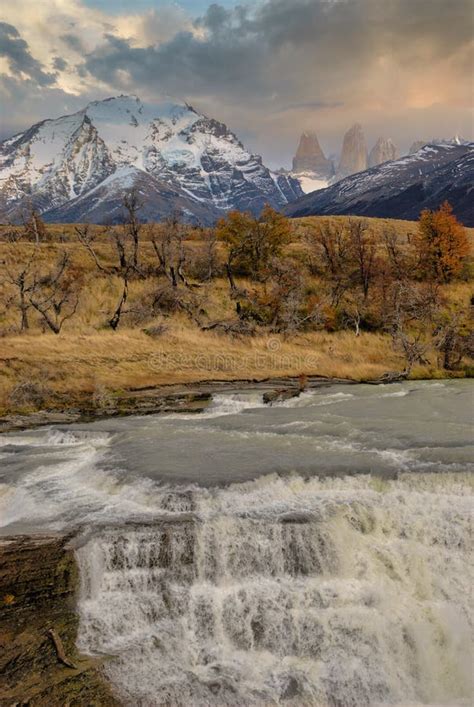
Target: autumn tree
{"points": [[441, 244], [253, 242]]}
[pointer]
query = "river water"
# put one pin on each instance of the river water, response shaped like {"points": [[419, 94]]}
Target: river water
{"points": [[316, 552]]}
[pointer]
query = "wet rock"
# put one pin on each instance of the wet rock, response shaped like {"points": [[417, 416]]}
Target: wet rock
{"points": [[279, 395], [38, 584]]}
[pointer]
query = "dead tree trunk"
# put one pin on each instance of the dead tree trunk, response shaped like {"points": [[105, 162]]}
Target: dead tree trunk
{"points": [[114, 321]]}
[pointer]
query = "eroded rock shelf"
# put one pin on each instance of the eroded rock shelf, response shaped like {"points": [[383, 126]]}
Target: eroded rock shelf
{"points": [[38, 585]]}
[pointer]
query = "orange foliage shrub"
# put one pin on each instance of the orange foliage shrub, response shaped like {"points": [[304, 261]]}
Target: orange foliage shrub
{"points": [[441, 243]]}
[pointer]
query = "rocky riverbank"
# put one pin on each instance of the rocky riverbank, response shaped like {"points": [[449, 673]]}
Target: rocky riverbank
{"points": [[160, 399], [39, 662]]}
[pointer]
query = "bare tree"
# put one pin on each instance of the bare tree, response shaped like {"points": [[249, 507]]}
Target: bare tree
{"points": [[209, 256], [354, 306], [114, 320], [362, 250], [34, 227], [397, 256], [55, 294], [133, 226], [87, 237], [126, 241], [413, 309], [170, 249], [453, 337], [126, 258], [122, 269], [330, 244], [20, 274]]}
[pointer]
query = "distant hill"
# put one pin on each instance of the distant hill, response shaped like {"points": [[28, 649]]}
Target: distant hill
{"points": [[401, 188]]}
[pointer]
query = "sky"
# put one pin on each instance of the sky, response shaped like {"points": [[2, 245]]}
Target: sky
{"points": [[269, 69]]}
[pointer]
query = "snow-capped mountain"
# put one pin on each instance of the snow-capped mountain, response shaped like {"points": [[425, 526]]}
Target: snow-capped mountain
{"points": [[401, 188], [78, 167]]}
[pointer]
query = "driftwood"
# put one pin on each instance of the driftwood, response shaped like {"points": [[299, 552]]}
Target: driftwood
{"points": [[388, 377], [59, 648]]}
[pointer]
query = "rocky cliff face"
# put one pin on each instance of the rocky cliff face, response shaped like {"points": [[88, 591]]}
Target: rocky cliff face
{"points": [[383, 151], [310, 157], [78, 167], [354, 152], [39, 663]]}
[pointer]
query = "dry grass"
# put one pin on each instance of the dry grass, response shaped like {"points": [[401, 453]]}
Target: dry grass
{"points": [[88, 356], [129, 358], [378, 225]]}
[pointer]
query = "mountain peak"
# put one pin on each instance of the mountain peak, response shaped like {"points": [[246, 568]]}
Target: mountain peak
{"points": [[354, 152], [384, 150], [310, 157], [177, 156]]}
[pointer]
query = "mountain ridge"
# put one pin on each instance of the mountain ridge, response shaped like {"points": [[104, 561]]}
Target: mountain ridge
{"points": [[187, 160], [401, 188]]}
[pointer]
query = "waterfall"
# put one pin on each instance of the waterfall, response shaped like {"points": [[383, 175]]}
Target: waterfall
{"points": [[329, 592]]}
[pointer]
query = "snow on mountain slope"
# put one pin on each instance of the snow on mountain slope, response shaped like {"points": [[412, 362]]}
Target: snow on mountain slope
{"points": [[186, 160], [401, 188], [310, 182]]}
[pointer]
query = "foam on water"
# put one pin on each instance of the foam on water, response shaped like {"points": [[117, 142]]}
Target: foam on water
{"points": [[343, 591], [333, 592], [223, 404], [58, 477]]}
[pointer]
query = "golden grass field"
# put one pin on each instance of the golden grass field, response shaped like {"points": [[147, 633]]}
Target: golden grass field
{"points": [[88, 356]]}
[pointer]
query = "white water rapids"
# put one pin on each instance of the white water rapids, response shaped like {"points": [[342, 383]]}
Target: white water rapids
{"points": [[306, 587]]}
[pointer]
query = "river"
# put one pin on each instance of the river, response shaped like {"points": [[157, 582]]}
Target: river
{"points": [[316, 552]]}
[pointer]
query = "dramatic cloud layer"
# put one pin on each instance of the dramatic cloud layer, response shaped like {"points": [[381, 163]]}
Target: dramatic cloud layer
{"points": [[269, 69]]}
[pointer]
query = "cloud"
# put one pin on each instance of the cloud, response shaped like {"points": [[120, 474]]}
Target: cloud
{"points": [[72, 41], [19, 58], [313, 51], [402, 67], [59, 63], [183, 64], [311, 105], [29, 103]]}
